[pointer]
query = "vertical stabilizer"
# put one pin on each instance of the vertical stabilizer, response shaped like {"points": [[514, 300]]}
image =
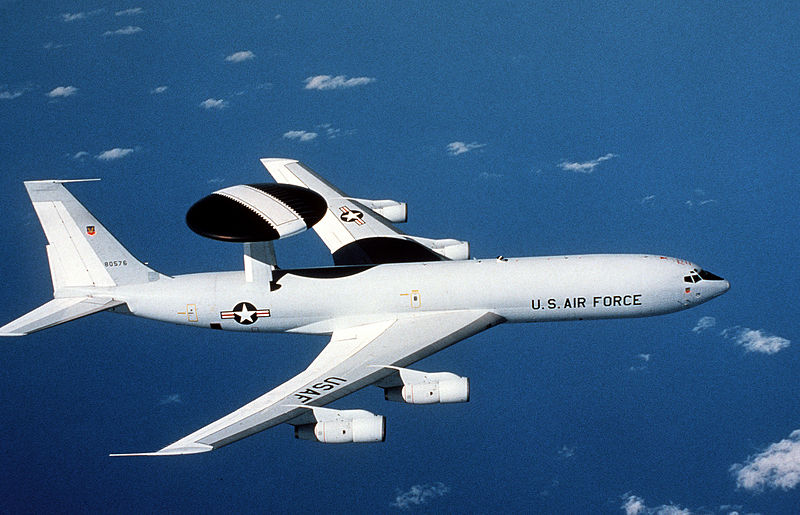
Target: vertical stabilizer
{"points": [[81, 252]]}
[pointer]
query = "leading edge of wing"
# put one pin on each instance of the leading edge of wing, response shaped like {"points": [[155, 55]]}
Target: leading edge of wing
{"points": [[354, 358], [354, 233]]}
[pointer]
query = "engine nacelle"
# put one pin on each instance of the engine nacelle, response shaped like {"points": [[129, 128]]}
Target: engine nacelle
{"points": [[442, 387], [365, 428], [456, 250], [392, 210]]}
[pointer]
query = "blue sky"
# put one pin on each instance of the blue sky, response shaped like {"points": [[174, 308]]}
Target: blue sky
{"points": [[525, 128]]}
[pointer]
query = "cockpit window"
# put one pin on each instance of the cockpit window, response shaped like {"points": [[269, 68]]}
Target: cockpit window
{"points": [[709, 276]]}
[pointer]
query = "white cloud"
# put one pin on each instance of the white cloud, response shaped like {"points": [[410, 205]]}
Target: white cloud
{"points": [[69, 17], [124, 31], [300, 135], [11, 95], [634, 505], [214, 103], [80, 155], [704, 323], [175, 398], [114, 153], [133, 11], [419, 494], [325, 82], [756, 340], [645, 358], [459, 147], [238, 57], [73, 16], [587, 166], [158, 90], [647, 200], [53, 46], [566, 452], [776, 467], [62, 91]]}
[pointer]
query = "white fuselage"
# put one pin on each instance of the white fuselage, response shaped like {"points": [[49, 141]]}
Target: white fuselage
{"points": [[322, 300]]}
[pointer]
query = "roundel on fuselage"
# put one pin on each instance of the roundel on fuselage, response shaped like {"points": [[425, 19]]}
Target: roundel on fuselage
{"points": [[256, 212]]}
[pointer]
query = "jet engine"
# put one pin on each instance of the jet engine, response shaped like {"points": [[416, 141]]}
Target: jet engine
{"points": [[348, 426], [428, 388]]}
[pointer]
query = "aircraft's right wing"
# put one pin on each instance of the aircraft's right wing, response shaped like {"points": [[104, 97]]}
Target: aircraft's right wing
{"points": [[355, 231], [355, 357]]}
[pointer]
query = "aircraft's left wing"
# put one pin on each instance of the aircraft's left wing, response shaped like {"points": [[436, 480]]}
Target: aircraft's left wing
{"points": [[359, 231], [354, 358]]}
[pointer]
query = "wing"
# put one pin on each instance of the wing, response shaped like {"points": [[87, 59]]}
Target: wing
{"points": [[359, 231], [354, 358]]}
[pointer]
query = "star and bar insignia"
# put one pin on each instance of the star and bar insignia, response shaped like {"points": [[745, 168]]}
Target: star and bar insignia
{"points": [[244, 313], [352, 215]]}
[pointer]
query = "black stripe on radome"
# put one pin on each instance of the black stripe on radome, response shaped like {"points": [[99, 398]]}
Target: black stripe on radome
{"points": [[309, 204], [221, 218]]}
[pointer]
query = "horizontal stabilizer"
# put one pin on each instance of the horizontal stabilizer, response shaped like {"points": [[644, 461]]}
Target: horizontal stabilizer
{"points": [[55, 312]]}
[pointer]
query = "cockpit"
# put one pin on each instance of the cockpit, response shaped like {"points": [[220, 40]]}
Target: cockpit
{"points": [[698, 274]]}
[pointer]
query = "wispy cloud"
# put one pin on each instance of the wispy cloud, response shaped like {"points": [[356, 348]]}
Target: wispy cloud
{"points": [[566, 452], [756, 340], [124, 31], [704, 323], [331, 132], [62, 92], [300, 135], [174, 398], [6, 94], [238, 57], [82, 15], [50, 45], [214, 103], [634, 505], [586, 166], [133, 11], [647, 200], [419, 494], [459, 147], [776, 467], [644, 360], [114, 153], [80, 155], [158, 90], [326, 82], [68, 17]]}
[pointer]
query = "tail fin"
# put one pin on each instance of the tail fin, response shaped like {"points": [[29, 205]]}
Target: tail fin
{"points": [[82, 255], [81, 252]]}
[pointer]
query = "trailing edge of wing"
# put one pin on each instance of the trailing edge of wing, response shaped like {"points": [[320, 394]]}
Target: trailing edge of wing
{"points": [[197, 449], [346, 364]]}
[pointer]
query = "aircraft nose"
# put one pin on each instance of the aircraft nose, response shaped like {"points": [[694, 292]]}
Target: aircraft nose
{"points": [[719, 287]]}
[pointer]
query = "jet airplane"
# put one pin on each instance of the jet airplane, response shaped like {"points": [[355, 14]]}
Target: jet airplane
{"points": [[408, 296]]}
